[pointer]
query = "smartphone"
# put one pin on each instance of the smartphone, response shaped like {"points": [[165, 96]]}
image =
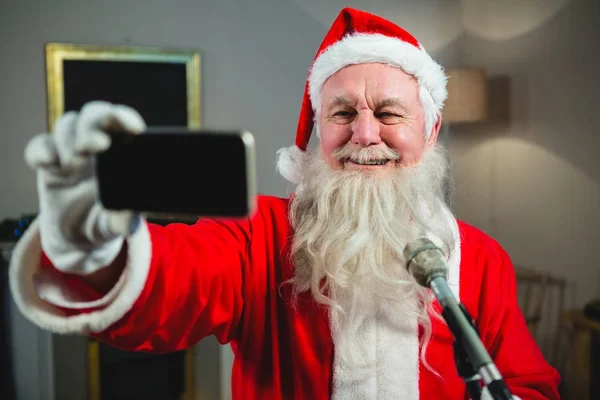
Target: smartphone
{"points": [[176, 172]]}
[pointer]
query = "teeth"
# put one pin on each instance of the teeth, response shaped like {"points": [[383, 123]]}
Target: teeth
{"points": [[371, 162]]}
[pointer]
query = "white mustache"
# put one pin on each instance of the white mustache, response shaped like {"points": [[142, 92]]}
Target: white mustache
{"points": [[365, 154]]}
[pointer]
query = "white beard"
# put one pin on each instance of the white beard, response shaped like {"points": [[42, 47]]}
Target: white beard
{"points": [[351, 228]]}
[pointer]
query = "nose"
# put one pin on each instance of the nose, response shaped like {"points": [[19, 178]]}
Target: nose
{"points": [[365, 130]]}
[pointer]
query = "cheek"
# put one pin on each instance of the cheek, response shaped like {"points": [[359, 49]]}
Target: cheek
{"points": [[331, 139], [328, 146], [409, 144]]}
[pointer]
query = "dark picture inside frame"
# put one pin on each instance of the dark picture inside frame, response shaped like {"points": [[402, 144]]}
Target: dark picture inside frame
{"points": [[163, 85], [156, 90]]}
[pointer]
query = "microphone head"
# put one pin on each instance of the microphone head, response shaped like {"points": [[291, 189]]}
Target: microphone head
{"points": [[425, 261]]}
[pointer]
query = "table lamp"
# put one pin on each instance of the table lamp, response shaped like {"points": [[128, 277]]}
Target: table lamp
{"points": [[467, 96]]}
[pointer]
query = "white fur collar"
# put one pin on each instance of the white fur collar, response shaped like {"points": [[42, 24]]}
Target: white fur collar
{"points": [[394, 345]]}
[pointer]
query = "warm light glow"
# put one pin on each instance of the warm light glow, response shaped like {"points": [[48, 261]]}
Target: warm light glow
{"points": [[507, 19]]}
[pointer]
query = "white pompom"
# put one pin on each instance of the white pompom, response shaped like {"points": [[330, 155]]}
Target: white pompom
{"points": [[290, 163]]}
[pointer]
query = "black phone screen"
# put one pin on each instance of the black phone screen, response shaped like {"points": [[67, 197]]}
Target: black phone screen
{"points": [[193, 173]]}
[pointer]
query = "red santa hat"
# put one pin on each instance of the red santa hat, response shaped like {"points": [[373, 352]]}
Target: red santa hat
{"points": [[358, 37]]}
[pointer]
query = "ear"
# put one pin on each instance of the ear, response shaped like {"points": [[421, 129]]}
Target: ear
{"points": [[435, 130]]}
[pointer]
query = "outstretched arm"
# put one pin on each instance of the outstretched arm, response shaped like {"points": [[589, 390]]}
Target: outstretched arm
{"points": [[172, 286], [80, 269]]}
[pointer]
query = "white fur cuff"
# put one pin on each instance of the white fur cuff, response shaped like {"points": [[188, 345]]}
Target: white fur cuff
{"points": [[37, 296]]}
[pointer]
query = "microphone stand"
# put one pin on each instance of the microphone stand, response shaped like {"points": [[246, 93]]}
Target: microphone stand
{"points": [[464, 367], [473, 362], [472, 357]]}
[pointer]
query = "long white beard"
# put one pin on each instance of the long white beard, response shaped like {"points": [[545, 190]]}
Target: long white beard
{"points": [[351, 228]]}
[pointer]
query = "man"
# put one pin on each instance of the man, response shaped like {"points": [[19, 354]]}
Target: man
{"points": [[311, 292]]}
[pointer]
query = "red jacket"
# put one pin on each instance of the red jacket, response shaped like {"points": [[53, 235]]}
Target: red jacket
{"points": [[222, 278]]}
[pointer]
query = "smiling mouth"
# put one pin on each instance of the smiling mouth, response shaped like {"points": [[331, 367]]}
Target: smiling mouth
{"points": [[369, 162]]}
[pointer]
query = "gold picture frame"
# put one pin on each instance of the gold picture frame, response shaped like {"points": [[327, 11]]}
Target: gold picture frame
{"points": [[58, 54], [61, 57]]}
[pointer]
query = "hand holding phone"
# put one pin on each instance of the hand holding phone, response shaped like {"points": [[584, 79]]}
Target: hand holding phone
{"points": [[77, 234], [179, 172]]}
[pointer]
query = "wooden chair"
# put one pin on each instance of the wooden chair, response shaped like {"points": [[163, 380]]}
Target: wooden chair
{"points": [[542, 300]]}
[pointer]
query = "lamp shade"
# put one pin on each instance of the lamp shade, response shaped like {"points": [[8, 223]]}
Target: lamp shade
{"points": [[467, 95]]}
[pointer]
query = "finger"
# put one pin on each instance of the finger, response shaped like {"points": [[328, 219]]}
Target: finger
{"points": [[102, 224], [64, 140], [92, 115], [92, 142], [41, 152], [118, 223], [76, 139], [98, 117], [128, 119], [104, 116]]}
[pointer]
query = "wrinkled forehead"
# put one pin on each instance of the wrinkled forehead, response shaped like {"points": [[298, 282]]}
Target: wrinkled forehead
{"points": [[376, 83]]}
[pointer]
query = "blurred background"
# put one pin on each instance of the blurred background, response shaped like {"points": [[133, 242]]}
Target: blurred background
{"points": [[521, 127]]}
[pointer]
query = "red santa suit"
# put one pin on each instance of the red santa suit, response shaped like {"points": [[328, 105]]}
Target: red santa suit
{"points": [[226, 278], [181, 283]]}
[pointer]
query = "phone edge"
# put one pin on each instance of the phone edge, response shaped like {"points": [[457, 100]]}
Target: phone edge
{"points": [[251, 190]]}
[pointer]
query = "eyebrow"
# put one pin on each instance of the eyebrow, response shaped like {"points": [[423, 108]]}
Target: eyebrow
{"points": [[390, 102], [339, 101]]}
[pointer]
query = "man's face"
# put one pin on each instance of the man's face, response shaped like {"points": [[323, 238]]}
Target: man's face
{"points": [[352, 221], [373, 106]]}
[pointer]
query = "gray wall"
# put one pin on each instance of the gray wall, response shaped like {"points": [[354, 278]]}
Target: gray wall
{"points": [[532, 180], [530, 177], [255, 58]]}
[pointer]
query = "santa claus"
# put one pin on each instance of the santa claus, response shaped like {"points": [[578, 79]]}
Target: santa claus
{"points": [[311, 292]]}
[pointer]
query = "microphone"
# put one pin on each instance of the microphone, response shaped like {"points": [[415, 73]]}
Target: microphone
{"points": [[425, 262]]}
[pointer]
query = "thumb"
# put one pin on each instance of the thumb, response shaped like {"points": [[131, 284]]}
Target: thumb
{"points": [[40, 152], [123, 223], [112, 223]]}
